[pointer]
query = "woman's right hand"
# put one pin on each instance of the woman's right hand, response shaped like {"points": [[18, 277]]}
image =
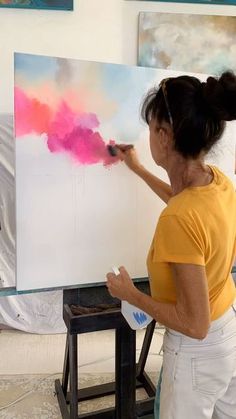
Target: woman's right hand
{"points": [[128, 154]]}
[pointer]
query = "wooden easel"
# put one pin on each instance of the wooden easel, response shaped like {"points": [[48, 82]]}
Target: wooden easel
{"points": [[128, 375]]}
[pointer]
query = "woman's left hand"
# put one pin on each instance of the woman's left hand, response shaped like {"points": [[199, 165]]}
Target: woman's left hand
{"points": [[121, 286]]}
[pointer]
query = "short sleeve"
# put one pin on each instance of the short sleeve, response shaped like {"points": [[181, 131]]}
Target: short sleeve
{"points": [[178, 241]]}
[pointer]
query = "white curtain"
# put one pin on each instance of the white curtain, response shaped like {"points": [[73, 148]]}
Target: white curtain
{"points": [[36, 312]]}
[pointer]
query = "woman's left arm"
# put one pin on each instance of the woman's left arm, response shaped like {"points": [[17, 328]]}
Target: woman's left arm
{"points": [[191, 313]]}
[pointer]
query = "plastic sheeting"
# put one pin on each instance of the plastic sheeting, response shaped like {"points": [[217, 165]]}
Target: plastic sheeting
{"points": [[37, 312]]}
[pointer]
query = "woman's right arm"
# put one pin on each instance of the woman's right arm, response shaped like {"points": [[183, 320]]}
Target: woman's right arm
{"points": [[162, 189], [128, 154]]}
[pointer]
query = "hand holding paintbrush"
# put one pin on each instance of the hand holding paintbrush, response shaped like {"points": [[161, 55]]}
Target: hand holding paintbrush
{"points": [[126, 153]]}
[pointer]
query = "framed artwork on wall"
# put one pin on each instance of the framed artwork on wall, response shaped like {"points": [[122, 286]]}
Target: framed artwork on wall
{"points": [[226, 2], [187, 42], [38, 4]]}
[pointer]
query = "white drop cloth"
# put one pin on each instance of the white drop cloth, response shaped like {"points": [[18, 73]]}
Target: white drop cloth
{"points": [[37, 312]]}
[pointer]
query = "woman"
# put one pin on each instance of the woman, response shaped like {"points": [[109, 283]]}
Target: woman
{"points": [[193, 249]]}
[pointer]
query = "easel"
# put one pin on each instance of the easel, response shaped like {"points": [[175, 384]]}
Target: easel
{"points": [[125, 390], [129, 375]]}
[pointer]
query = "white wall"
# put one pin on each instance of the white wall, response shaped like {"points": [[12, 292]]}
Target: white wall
{"points": [[100, 30]]}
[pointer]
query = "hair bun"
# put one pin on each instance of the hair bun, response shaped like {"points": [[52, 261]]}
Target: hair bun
{"points": [[220, 96]]}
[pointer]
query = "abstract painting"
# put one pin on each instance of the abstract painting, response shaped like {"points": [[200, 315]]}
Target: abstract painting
{"points": [[195, 43], [76, 105], [232, 2], [76, 206], [38, 4], [79, 210]]}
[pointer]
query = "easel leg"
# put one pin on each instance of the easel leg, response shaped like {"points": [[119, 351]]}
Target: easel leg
{"points": [[145, 348], [125, 373], [65, 376], [73, 356], [141, 375]]}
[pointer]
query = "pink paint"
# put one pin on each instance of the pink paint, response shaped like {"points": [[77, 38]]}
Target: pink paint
{"points": [[84, 145], [67, 131], [63, 123], [31, 116], [87, 120]]}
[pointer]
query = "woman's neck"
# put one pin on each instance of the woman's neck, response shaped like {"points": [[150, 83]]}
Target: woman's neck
{"points": [[184, 173]]}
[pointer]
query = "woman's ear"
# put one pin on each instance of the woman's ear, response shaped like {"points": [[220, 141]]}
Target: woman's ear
{"points": [[165, 137]]}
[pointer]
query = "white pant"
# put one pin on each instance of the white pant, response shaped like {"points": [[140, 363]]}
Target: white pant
{"points": [[199, 376]]}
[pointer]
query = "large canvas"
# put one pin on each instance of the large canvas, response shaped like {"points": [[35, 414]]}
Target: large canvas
{"points": [[38, 4], [195, 43], [78, 210]]}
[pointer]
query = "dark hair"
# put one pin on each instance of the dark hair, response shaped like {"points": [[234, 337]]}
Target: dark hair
{"points": [[198, 110]]}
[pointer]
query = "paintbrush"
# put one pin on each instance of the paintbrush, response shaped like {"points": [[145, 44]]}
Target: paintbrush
{"points": [[112, 149]]}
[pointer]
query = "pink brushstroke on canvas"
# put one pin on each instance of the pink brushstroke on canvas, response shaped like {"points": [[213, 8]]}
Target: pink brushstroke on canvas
{"points": [[73, 133]]}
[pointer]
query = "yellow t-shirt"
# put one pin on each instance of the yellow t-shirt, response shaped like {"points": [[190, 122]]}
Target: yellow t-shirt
{"points": [[198, 226]]}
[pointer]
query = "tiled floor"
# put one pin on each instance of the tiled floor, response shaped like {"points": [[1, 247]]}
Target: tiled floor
{"points": [[30, 363]]}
